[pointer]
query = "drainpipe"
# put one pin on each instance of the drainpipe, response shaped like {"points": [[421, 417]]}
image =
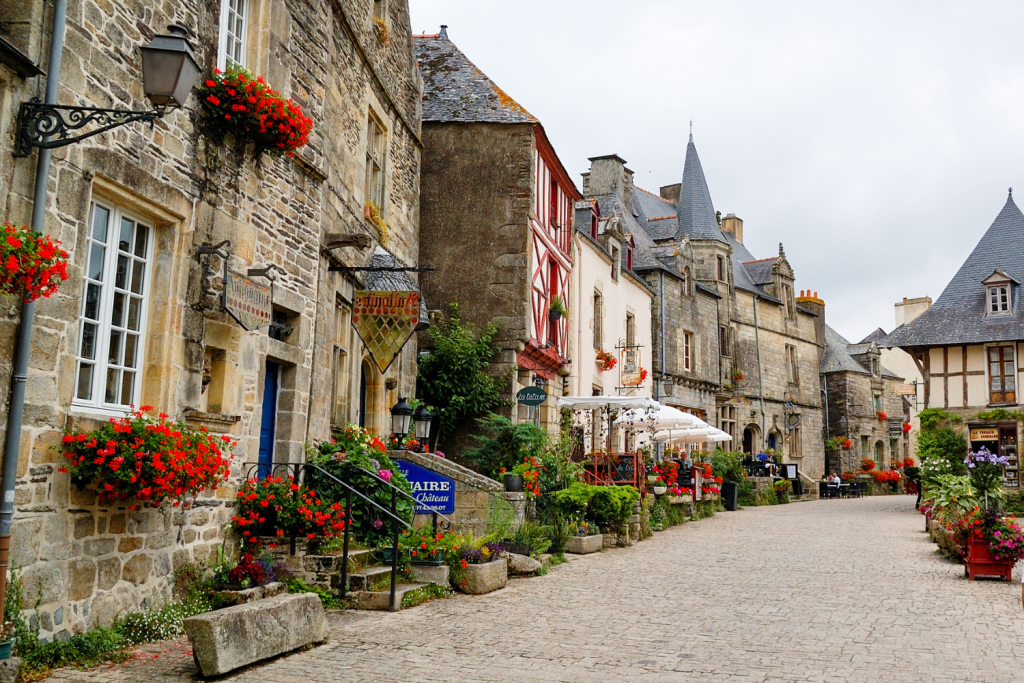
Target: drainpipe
{"points": [[19, 371], [760, 375], [661, 302]]}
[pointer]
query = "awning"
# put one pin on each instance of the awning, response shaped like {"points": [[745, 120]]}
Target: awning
{"points": [[662, 417], [610, 402], [700, 435]]}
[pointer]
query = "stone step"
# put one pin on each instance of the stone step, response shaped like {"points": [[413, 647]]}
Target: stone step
{"points": [[366, 578], [381, 600]]}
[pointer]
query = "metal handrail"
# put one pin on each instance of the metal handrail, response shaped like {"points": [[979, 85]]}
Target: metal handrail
{"points": [[396, 521], [435, 513]]}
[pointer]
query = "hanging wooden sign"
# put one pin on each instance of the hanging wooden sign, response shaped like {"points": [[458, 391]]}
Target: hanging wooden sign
{"points": [[629, 367], [385, 321], [248, 301]]}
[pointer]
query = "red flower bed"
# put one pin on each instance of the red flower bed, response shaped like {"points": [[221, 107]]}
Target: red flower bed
{"points": [[147, 460], [885, 476], [277, 506], [31, 264], [238, 101]]}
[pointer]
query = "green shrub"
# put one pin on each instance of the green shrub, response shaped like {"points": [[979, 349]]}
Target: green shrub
{"points": [[328, 600], [559, 530], [572, 502], [504, 444], [612, 505], [745, 494], [728, 465], [533, 534], [25, 637]]}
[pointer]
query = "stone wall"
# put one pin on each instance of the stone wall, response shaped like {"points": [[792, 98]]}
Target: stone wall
{"points": [[86, 562]]}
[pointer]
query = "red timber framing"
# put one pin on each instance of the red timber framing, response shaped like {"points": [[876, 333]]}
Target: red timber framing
{"points": [[550, 260]]}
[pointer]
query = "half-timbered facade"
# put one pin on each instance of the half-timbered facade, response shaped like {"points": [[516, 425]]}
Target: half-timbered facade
{"points": [[496, 219], [968, 345]]}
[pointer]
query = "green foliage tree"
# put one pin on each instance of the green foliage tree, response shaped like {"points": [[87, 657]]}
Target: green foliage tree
{"points": [[454, 377], [504, 443], [728, 465], [941, 451]]}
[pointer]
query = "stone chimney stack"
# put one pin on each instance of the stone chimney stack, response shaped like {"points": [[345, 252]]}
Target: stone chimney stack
{"points": [[812, 303], [733, 224], [909, 309], [609, 175], [671, 192]]}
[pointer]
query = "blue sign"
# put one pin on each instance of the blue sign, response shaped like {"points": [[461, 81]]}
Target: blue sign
{"points": [[432, 491]]}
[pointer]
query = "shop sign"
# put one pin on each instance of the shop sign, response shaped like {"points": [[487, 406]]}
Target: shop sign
{"points": [[629, 367], [433, 492], [895, 427], [985, 434], [248, 301], [531, 396], [385, 321]]}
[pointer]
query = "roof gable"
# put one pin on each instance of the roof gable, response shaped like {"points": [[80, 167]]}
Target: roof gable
{"points": [[455, 90]]}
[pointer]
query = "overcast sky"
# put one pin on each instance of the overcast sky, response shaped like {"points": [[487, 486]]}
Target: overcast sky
{"points": [[876, 140]]}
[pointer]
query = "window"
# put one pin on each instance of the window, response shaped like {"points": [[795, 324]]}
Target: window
{"points": [[1001, 375], [875, 369], [234, 23], [999, 300], [788, 303], [553, 203], [379, 9], [629, 257], [630, 330], [615, 263], [792, 366], [894, 450], [721, 269], [864, 447], [687, 351], [598, 321], [593, 226], [876, 403], [723, 340], [727, 420], [686, 282], [375, 141], [339, 364], [879, 454], [794, 442], [112, 324]]}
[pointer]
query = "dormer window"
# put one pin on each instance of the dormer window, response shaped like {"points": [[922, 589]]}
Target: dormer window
{"points": [[998, 300], [998, 293]]}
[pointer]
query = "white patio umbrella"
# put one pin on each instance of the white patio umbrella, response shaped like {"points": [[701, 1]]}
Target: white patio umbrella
{"points": [[661, 417], [610, 402]]}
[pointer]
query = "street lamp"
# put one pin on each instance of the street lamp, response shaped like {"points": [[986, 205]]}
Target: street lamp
{"points": [[422, 420], [169, 70], [401, 415]]}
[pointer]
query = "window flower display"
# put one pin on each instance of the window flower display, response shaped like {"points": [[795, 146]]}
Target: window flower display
{"points": [[31, 264]]}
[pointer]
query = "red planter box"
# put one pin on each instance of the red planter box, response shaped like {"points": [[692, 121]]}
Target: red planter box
{"points": [[981, 563]]}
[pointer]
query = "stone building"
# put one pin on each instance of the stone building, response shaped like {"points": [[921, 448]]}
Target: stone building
{"points": [[865, 404], [746, 348], [967, 346], [496, 218], [151, 197]]}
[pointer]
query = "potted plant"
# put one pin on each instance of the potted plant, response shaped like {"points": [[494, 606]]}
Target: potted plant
{"points": [[882, 417], [524, 475], [425, 547], [781, 488], [482, 569], [557, 309], [994, 545], [7, 634], [31, 264], [605, 361], [738, 375]]}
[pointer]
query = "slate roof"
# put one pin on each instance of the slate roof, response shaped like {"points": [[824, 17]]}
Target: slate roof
{"points": [[760, 271], [455, 90], [877, 336], [958, 316], [394, 281], [839, 356], [695, 211]]}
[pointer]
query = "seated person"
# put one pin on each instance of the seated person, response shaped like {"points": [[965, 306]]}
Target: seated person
{"points": [[833, 479]]}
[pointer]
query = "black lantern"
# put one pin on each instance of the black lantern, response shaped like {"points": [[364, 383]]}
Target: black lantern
{"points": [[844, 425], [401, 415], [422, 420], [169, 68]]}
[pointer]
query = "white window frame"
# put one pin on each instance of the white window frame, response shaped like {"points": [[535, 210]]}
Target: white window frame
{"points": [[97, 403], [688, 351], [376, 163], [999, 299], [229, 11], [340, 362]]}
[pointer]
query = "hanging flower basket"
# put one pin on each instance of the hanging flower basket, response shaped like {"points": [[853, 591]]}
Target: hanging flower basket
{"points": [[881, 416], [31, 264], [147, 460], [237, 101], [643, 374], [606, 361]]}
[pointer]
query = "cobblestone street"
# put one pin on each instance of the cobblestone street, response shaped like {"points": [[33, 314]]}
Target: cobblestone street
{"points": [[845, 590]]}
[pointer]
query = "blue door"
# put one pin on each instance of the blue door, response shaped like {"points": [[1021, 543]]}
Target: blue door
{"points": [[269, 418]]}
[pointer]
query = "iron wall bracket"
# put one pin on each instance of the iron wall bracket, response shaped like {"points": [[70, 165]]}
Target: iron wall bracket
{"points": [[48, 126]]}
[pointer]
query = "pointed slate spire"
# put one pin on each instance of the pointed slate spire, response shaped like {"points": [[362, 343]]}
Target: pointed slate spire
{"points": [[695, 212]]}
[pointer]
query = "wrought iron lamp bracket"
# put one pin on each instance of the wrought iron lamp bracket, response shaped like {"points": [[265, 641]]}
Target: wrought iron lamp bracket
{"points": [[48, 126]]}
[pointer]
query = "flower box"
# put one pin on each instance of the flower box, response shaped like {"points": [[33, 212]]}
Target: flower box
{"points": [[488, 577], [584, 545], [660, 490], [979, 562], [424, 561]]}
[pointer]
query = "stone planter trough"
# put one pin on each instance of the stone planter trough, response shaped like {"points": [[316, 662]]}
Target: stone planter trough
{"points": [[227, 639], [584, 545], [485, 578]]}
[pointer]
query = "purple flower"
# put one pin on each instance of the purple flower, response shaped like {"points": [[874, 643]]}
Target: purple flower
{"points": [[385, 475], [439, 454], [377, 524]]}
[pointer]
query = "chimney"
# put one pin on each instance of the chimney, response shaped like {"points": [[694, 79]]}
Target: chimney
{"points": [[815, 305], [732, 224], [671, 192], [444, 32], [609, 175], [910, 309]]}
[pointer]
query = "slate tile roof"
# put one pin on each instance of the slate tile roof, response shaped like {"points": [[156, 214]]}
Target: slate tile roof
{"points": [[760, 271], [696, 212], [395, 281], [958, 316], [455, 90], [877, 336], [840, 356]]}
